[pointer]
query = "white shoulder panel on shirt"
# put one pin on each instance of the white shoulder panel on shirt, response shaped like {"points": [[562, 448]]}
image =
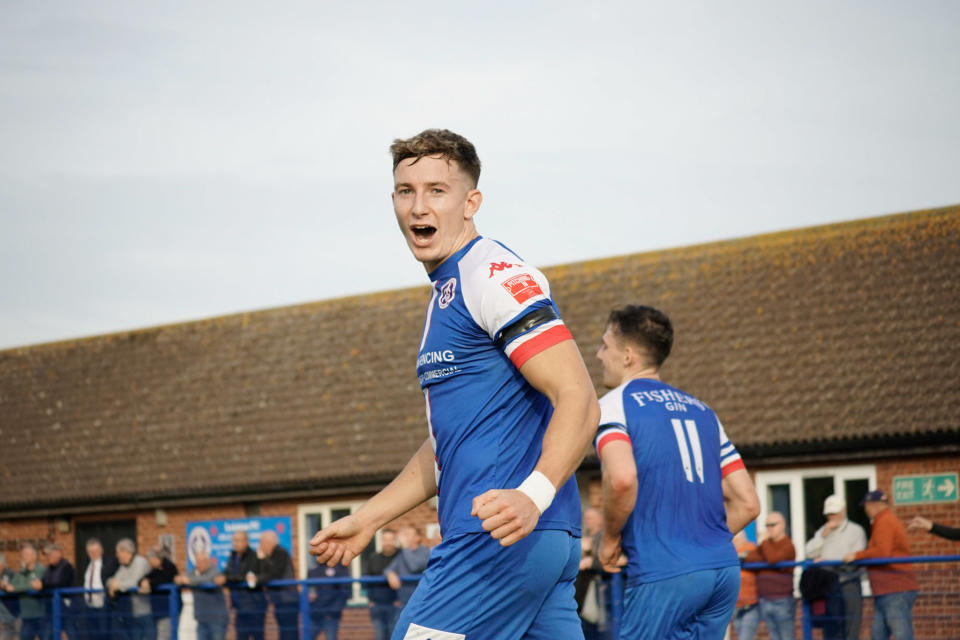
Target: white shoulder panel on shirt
{"points": [[497, 286]]}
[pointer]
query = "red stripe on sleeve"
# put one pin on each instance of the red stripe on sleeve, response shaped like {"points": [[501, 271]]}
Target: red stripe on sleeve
{"points": [[610, 437], [733, 466], [539, 343]]}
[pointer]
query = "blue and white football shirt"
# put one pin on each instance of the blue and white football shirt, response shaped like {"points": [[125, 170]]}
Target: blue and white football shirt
{"points": [[489, 313], [679, 524]]}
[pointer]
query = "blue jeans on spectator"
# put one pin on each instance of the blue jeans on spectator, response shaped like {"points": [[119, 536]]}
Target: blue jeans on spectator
{"points": [[31, 628], [745, 621], [893, 616], [383, 617], [211, 631], [778, 614]]}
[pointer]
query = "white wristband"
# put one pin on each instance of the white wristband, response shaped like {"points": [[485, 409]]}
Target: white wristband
{"points": [[539, 489]]}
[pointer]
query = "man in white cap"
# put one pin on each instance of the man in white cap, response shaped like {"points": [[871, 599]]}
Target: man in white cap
{"points": [[834, 540]]}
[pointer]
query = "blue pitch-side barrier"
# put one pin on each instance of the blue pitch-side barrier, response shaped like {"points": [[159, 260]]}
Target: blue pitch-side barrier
{"points": [[616, 586]]}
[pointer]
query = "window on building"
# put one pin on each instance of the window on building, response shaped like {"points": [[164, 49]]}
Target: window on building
{"points": [[313, 517]]}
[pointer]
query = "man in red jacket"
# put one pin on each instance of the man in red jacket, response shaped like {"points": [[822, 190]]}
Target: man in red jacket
{"points": [[894, 586]]}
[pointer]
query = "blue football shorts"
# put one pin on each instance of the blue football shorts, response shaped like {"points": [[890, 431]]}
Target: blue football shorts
{"points": [[696, 605], [474, 589]]}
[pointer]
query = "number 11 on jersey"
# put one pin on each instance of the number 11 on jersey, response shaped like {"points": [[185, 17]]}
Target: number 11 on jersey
{"points": [[694, 445]]}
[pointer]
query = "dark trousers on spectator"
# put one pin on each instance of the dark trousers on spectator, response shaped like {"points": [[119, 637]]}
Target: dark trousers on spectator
{"points": [[31, 628], [287, 620], [326, 622], [249, 624], [93, 623], [383, 617]]}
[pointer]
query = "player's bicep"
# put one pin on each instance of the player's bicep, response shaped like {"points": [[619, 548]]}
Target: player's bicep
{"points": [[557, 370], [617, 462], [738, 488]]}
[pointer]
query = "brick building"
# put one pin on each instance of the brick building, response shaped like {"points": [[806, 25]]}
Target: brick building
{"points": [[831, 353]]}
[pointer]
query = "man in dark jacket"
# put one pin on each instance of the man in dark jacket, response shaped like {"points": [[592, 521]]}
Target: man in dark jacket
{"points": [[162, 571], [327, 601], [59, 574], [382, 597], [248, 600], [95, 615], [275, 564]]}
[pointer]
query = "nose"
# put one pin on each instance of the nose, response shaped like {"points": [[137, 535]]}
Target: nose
{"points": [[420, 207]]}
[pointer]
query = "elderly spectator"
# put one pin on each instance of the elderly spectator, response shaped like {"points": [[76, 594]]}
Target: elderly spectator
{"points": [[275, 564], [775, 586], [327, 601], [134, 616], [33, 613], [60, 574], [248, 601], [411, 560], [834, 540], [383, 608], [209, 605], [894, 585], [8, 605], [162, 571], [94, 614]]}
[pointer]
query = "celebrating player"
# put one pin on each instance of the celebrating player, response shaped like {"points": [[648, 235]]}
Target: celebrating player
{"points": [[674, 488], [510, 409]]}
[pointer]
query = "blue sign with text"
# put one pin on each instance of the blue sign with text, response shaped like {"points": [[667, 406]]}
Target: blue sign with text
{"points": [[216, 536]]}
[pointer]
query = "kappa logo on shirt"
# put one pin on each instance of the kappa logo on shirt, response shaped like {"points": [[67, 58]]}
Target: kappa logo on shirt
{"points": [[500, 266], [522, 287]]}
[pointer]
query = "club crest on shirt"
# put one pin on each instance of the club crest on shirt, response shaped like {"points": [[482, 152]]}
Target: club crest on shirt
{"points": [[447, 293], [522, 287]]}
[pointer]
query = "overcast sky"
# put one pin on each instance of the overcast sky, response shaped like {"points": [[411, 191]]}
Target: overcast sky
{"points": [[168, 161]]}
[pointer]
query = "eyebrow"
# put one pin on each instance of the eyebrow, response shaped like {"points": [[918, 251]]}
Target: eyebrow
{"points": [[399, 185]]}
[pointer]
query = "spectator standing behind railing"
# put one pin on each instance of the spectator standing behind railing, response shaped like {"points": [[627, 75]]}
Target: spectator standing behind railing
{"points": [[162, 571], [746, 613], [8, 609], [382, 597], [950, 533], [775, 586], [834, 540], [275, 564], [247, 600], [328, 600], [894, 585], [209, 605], [33, 614], [134, 617], [59, 574], [411, 560], [94, 613]]}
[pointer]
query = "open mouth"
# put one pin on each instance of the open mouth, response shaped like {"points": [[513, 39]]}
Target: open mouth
{"points": [[423, 232]]}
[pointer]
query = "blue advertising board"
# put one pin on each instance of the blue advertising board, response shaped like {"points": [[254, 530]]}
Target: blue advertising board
{"points": [[216, 536]]}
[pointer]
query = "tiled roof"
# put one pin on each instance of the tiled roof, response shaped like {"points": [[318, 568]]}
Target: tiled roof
{"points": [[841, 333]]}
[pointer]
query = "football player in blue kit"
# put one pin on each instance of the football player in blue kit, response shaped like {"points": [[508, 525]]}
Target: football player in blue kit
{"points": [[510, 410], [674, 489]]}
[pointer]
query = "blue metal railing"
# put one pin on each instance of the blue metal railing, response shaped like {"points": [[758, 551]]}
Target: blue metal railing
{"points": [[304, 608]]}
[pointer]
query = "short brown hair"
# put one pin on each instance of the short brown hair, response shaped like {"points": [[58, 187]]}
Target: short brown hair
{"points": [[438, 142], [646, 327]]}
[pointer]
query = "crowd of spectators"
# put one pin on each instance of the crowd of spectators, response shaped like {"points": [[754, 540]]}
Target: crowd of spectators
{"points": [[127, 596]]}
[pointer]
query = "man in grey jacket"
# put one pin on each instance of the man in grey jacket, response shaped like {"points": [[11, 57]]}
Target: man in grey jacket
{"points": [[835, 539], [33, 612], [134, 615], [410, 560], [209, 605]]}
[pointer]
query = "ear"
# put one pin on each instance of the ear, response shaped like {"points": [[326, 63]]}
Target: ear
{"points": [[472, 203]]}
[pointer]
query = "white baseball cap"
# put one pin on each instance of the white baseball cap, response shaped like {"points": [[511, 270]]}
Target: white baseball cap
{"points": [[833, 504]]}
